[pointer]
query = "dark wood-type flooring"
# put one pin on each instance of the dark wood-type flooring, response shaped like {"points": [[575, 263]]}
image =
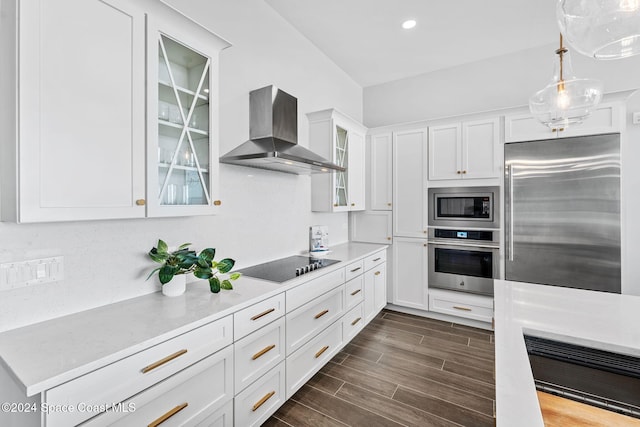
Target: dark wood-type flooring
{"points": [[401, 370]]}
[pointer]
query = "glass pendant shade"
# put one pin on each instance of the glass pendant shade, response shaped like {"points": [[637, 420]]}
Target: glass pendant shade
{"points": [[603, 29], [566, 99]]}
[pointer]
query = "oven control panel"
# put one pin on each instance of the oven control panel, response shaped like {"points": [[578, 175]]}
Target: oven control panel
{"points": [[463, 234]]}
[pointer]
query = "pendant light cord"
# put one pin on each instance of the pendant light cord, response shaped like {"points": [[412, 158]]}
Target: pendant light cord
{"points": [[561, 51]]}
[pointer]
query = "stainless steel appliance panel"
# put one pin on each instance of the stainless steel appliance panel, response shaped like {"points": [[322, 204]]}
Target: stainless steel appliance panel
{"points": [[562, 212], [464, 207]]}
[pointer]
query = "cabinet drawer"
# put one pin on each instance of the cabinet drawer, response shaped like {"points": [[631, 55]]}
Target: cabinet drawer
{"points": [[257, 353], [124, 378], [477, 307], [353, 322], [261, 399], [355, 291], [311, 318], [188, 397], [253, 318], [354, 269], [304, 293], [375, 259], [222, 417], [304, 363]]}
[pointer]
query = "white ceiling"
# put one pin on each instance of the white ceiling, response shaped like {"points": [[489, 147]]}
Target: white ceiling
{"points": [[365, 38]]}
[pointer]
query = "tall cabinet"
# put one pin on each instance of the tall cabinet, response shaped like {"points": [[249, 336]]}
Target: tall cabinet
{"points": [[84, 97], [339, 138]]}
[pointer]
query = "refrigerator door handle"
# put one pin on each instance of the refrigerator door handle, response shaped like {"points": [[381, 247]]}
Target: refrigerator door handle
{"points": [[509, 221]]}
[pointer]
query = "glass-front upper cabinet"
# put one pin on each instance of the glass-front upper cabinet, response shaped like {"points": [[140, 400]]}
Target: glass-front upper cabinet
{"points": [[341, 198], [182, 158]]}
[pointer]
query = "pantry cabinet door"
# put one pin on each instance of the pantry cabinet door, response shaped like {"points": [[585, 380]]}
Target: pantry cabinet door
{"points": [[81, 110]]}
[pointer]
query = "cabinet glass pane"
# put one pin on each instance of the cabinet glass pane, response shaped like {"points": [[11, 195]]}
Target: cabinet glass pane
{"points": [[342, 141], [183, 125]]}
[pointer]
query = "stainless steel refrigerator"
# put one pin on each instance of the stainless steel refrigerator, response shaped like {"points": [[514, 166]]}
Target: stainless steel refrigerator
{"points": [[562, 212]]}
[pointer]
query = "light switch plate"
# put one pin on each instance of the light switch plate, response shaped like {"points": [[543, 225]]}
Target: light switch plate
{"points": [[18, 274]]}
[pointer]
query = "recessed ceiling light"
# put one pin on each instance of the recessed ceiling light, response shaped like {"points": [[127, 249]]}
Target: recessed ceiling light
{"points": [[407, 25]]}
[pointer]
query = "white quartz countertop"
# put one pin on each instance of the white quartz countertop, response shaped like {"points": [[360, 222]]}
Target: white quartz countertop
{"points": [[594, 319], [46, 354]]}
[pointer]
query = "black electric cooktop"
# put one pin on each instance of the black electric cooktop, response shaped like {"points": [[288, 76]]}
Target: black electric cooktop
{"points": [[284, 269]]}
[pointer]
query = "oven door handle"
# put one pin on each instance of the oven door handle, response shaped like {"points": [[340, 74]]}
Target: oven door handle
{"points": [[462, 244]]}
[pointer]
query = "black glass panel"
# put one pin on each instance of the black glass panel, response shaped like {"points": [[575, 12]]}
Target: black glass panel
{"points": [[464, 262], [464, 207], [284, 269]]}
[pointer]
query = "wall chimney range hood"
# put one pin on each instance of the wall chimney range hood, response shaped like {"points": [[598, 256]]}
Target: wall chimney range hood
{"points": [[273, 133]]}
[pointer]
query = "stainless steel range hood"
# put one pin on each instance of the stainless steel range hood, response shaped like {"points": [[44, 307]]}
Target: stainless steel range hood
{"points": [[273, 133]]}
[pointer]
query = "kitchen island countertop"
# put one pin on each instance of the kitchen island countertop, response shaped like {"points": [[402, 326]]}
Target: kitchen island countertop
{"points": [[593, 319], [46, 354]]}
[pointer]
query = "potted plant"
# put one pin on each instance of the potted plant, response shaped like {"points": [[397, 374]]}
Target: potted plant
{"points": [[184, 261]]}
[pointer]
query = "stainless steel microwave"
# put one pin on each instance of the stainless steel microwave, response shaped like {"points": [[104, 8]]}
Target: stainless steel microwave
{"points": [[464, 207]]}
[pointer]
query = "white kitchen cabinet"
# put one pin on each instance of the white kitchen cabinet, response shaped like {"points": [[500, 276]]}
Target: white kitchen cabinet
{"points": [[410, 183], [464, 150], [375, 291], [607, 117], [182, 113], [340, 139], [461, 304], [380, 174], [78, 106], [410, 273], [371, 227], [257, 402]]}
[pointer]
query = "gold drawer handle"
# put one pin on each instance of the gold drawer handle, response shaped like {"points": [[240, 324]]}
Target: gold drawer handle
{"points": [[356, 269], [322, 313], [264, 313], [263, 351], [163, 361], [377, 259], [356, 321], [377, 273], [322, 350], [168, 415], [260, 402], [461, 308], [355, 292]]}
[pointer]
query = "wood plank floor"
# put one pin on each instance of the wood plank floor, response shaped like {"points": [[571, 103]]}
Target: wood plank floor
{"points": [[401, 370]]}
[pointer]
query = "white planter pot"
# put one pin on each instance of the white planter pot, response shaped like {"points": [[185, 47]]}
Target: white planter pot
{"points": [[176, 286]]}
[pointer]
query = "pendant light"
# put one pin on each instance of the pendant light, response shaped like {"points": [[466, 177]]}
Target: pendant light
{"points": [[566, 99], [603, 29]]}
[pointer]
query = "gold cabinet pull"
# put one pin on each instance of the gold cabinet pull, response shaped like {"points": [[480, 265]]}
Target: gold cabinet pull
{"points": [[388, 238], [424, 231], [561, 129], [461, 308], [356, 269], [163, 361], [260, 402], [264, 313], [464, 172], [424, 244], [322, 350], [553, 129], [322, 313], [388, 204], [377, 259], [335, 205], [217, 202], [263, 351], [458, 172], [377, 273], [353, 204], [141, 202], [355, 292], [355, 321], [168, 415]]}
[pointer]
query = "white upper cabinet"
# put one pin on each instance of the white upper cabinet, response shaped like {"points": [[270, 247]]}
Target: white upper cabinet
{"points": [[341, 140], [81, 76], [464, 150], [410, 183], [182, 177], [380, 171], [605, 118]]}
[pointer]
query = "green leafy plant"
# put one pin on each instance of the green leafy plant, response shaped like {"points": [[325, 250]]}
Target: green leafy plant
{"points": [[184, 261]]}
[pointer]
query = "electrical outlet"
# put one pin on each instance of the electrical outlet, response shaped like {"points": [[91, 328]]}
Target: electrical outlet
{"points": [[18, 274], [636, 118]]}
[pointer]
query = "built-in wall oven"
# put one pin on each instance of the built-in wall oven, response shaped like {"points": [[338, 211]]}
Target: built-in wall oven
{"points": [[464, 238], [463, 260]]}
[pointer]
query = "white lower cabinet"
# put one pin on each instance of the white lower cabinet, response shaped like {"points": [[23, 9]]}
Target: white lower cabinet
{"points": [[354, 292], [470, 306], [375, 290], [223, 417], [186, 398], [410, 273], [308, 360], [353, 322], [261, 399]]}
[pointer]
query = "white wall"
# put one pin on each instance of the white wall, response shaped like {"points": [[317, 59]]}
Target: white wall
{"points": [[265, 215], [501, 82]]}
